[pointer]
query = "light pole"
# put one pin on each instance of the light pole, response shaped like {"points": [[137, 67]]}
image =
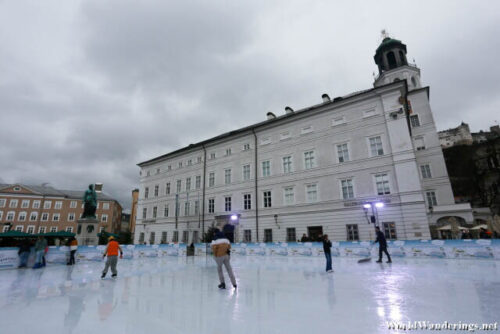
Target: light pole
{"points": [[374, 217]]}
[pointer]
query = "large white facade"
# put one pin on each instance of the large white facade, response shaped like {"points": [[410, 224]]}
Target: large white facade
{"points": [[309, 171]]}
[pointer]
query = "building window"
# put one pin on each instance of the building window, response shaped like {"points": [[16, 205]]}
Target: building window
{"points": [[105, 206], [185, 236], [247, 201], [212, 155], [227, 176], [267, 199], [186, 208], [211, 205], [196, 207], [246, 172], [419, 143], [228, 151], [152, 236], [30, 229], [198, 182], [265, 141], [42, 229], [55, 217], [175, 237], [58, 205], [5, 228], [69, 229], [157, 171], [382, 183], [190, 162], [268, 235], [227, 203], [415, 122], [33, 216], [179, 185], [198, 159], [53, 229], [312, 193], [431, 198], [376, 146], [169, 167], [180, 164], [19, 228], [163, 237], [45, 216], [2, 202], [338, 121], [211, 179], [352, 232], [390, 231], [247, 236], [285, 135], [10, 216], [144, 213], [246, 147], [165, 211], [342, 153], [36, 204], [148, 173], [146, 192], [266, 168], [347, 189], [426, 171], [309, 160], [71, 216], [290, 234], [287, 164], [306, 130], [155, 211], [157, 187], [13, 203], [167, 188], [289, 195], [72, 205], [25, 204], [22, 216], [188, 184], [141, 238]]}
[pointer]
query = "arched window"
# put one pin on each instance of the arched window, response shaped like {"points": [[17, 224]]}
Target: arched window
{"points": [[396, 79], [402, 58], [413, 81], [391, 60]]}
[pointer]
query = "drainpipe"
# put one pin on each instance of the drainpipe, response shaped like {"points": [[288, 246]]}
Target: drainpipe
{"points": [[256, 187], [203, 196]]}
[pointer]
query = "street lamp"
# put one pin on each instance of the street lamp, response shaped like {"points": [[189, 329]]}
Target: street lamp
{"points": [[374, 216]]}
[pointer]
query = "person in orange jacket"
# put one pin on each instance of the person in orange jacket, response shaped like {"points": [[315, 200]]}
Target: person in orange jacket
{"points": [[112, 252]]}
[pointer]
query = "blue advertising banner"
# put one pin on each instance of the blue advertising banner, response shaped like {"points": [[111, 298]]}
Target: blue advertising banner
{"points": [[439, 249]]}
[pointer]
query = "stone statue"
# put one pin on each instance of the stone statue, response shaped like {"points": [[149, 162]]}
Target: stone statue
{"points": [[90, 202]]}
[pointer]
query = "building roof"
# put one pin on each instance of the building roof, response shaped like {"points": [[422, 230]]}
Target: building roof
{"points": [[269, 121], [50, 191], [387, 42]]}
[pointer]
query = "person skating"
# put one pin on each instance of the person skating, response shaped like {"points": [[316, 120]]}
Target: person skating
{"points": [[327, 245], [382, 245], [73, 246], [40, 246], [112, 252], [221, 248]]}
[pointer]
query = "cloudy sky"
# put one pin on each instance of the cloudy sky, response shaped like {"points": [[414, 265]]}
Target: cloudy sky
{"points": [[90, 88]]}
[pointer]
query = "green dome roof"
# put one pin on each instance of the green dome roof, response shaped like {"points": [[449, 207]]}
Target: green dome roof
{"points": [[388, 41]]}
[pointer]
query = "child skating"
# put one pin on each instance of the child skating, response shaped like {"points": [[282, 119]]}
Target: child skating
{"points": [[112, 252]]}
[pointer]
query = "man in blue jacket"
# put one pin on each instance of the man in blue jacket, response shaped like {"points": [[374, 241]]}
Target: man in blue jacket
{"points": [[382, 243]]}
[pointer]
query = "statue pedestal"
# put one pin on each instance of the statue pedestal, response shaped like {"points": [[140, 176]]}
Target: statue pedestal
{"points": [[86, 232]]}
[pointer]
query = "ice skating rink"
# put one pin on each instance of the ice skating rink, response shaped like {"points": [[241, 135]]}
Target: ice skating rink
{"points": [[275, 295]]}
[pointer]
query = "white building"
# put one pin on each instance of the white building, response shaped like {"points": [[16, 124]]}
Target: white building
{"points": [[311, 171], [460, 135]]}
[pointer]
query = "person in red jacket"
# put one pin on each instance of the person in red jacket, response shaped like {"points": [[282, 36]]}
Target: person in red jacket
{"points": [[112, 252]]}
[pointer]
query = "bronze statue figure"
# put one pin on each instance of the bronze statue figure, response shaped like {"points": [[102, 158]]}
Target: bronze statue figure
{"points": [[90, 202]]}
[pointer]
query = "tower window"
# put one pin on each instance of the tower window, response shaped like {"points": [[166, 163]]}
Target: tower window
{"points": [[402, 58], [391, 60]]}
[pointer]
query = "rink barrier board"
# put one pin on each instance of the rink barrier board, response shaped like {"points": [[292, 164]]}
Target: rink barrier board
{"points": [[440, 249]]}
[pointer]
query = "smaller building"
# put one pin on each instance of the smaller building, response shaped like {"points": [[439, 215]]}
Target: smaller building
{"points": [[460, 135], [43, 209], [125, 222]]}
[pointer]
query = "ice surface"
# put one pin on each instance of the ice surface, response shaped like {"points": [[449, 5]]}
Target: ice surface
{"points": [[275, 295]]}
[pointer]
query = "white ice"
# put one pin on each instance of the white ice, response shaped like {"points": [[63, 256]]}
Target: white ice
{"points": [[274, 295]]}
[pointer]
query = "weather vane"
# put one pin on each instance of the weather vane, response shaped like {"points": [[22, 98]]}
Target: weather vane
{"points": [[384, 33]]}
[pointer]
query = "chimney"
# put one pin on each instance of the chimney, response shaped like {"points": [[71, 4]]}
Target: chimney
{"points": [[270, 115], [288, 110], [98, 187], [325, 98]]}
